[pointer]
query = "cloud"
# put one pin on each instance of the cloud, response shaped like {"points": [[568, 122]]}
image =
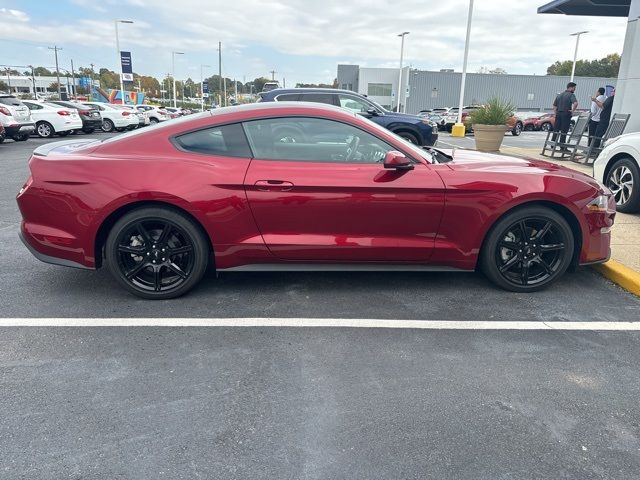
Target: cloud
{"points": [[7, 14]]}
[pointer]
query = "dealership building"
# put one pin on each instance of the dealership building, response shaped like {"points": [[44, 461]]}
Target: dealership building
{"points": [[431, 89]]}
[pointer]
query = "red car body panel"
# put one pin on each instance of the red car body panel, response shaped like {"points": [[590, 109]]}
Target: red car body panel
{"points": [[266, 212]]}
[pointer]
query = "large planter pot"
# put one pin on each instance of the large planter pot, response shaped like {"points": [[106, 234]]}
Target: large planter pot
{"points": [[489, 137]]}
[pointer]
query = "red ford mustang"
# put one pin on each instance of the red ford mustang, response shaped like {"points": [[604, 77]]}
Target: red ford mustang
{"points": [[290, 186]]}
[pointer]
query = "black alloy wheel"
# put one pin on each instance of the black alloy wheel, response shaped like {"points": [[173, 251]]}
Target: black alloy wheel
{"points": [[156, 253], [623, 179], [517, 129], [528, 249]]}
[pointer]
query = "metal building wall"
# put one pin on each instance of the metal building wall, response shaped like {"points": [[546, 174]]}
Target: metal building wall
{"points": [[348, 77], [526, 92]]}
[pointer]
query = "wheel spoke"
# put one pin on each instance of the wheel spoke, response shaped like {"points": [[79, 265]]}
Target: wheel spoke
{"points": [[157, 279], [545, 265], [510, 245], [137, 269], [552, 247], [139, 250], [175, 269], [164, 235], [524, 274], [523, 229], [146, 236], [541, 233], [509, 265], [179, 250]]}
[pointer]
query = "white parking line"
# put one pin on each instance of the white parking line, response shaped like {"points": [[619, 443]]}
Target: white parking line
{"points": [[318, 323]]}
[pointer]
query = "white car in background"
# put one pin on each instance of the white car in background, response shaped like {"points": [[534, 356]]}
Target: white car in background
{"points": [[618, 167], [114, 118], [52, 119], [156, 114], [143, 117], [15, 118]]}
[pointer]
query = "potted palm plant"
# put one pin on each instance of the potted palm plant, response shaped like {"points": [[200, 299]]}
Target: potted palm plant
{"points": [[490, 124]]}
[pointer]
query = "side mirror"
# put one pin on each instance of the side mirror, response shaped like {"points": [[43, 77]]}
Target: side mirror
{"points": [[397, 161], [373, 112]]}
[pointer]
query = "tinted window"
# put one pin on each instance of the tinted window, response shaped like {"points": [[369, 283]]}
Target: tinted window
{"points": [[288, 97], [313, 140], [317, 98], [226, 140], [13, 101], [354, 104], [33, 106]]}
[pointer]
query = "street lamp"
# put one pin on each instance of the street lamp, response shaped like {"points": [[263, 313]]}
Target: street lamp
{"points": [[402, 35], [458, 129], [116, 22], [575, 54], [173, 74], [202, 87]]}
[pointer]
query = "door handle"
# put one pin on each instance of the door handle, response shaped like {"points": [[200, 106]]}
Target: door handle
{"points": [[273, 185]]}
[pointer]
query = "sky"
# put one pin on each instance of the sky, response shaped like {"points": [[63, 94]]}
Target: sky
{"points": [[302, 40]]}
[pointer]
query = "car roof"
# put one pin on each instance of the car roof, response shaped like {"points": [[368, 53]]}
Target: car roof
{"points": [[302, 106], [308, 90]]}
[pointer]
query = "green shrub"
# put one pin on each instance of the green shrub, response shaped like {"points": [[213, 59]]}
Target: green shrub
{"points": [[494, 112]]}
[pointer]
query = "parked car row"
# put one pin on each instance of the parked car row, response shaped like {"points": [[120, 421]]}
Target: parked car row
{"points": [[21, 118]]}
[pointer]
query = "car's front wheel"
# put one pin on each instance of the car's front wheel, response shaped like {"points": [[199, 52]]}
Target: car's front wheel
{"points": [[527, 249], [107, 125], [623, 180], [517, 129], [156, 253]]}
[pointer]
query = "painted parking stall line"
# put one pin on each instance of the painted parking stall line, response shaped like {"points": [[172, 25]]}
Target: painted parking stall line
{"points": [[320, 323]]}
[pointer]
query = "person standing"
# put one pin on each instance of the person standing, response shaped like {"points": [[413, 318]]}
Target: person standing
{"points": [[564, 107], [605, 118], [597, 102]]}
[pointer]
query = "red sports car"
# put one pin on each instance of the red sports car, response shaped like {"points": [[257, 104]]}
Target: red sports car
{"points": [[291, 186]]}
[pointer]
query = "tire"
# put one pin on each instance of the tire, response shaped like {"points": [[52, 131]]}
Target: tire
{"points": [[528, 128], [64, 134], [107, 125], [546, 127], [623, 179], [517, 130], [22, 137], [45, 130], [88, 131], [121, 129], [519, 263], [2, 137], [153, 120], [410, 137], [128, 254]]}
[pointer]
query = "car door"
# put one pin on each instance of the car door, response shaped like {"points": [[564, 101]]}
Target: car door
{"points": [[325, 195]]}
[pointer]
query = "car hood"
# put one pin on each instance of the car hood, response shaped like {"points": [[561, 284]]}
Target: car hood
{"points": [[472, 160], [403, 116]]}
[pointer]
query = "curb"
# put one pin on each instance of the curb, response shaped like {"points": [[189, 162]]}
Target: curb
{"points": [[624, 276]]}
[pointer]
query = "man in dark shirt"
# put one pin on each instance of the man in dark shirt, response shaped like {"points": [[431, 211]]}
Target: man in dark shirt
{"points": [[605, 117], [564, 106]]}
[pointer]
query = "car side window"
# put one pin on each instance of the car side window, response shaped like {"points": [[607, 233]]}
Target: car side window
{"points": [[33, 106], [355, 104], [288, 97], [317, 98], [313, 140], [224, 140]]}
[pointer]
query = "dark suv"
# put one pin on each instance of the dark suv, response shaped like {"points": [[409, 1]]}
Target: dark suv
{"points": [[417, 130]]}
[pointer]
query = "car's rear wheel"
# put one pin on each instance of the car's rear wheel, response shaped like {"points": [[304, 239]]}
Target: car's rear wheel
{"points": [[545, 127], [153, 120], [45, 130], [21, 137], [528, 249], [156, 253], [623, 180], [410, 137], [107, 125]]}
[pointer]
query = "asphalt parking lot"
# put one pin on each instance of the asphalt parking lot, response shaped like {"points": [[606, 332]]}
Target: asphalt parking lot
{"points": [[310, 403], [524, 140]]}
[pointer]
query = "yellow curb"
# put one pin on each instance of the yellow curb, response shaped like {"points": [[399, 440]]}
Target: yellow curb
{"points": [[624, 276]]}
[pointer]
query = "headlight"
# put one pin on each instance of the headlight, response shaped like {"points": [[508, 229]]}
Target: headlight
{"points": [[611, 141], [599, 204]]}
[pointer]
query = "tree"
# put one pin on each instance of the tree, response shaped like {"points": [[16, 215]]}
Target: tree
{"points": [[258, 83], [604, 67], [42, 72], [109, 79], [53, 87], [3, 86]]}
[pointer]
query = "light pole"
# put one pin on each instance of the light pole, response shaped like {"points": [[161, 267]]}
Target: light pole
{"points": [[202, 87], [575, 54], [173, 75], [402, 35], [458, 129], [116, 22]]}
